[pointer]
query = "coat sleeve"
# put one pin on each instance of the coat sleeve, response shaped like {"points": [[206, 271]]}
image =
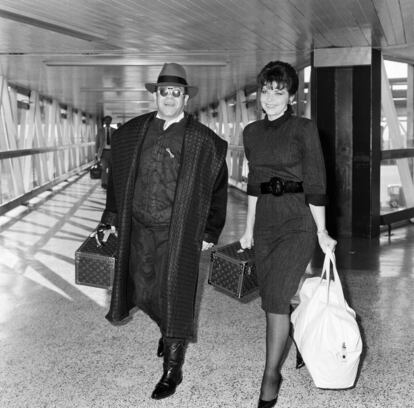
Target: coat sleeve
{"points": [[218, 207], [110, 214]]}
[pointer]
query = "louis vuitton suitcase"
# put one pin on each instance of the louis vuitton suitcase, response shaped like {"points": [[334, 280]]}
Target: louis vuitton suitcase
{"points": [[232, 270], [95, 261]]}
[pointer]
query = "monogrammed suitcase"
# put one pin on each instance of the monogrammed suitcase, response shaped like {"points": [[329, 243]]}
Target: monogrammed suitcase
{"points": [[232, 270], [95, 261]]}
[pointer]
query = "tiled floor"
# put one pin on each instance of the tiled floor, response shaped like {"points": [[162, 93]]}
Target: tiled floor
{"points": [[57, 350]]}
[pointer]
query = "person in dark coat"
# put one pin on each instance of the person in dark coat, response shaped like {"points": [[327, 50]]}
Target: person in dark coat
{"points": [[286, 208], [167, 198], [103, 148]]}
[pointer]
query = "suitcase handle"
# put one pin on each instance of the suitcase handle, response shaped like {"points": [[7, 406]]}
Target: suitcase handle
{"points": [[106, 233]]}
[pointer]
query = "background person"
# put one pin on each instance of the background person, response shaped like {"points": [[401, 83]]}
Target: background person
{"points": [[103, 148], [286, 208]]}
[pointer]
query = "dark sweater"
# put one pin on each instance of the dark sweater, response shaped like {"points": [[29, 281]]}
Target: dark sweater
{"points": [[289, 148], [158, 173]]}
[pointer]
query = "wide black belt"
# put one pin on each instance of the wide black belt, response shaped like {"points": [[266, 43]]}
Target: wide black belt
{"points": [[278, 186]]}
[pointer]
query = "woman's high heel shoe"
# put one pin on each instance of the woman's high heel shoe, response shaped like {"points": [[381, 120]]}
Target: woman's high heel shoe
{"points": [[267, 404], [271, 403]]}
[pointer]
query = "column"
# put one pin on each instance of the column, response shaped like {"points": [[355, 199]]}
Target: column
{"points": [[346, 105]]}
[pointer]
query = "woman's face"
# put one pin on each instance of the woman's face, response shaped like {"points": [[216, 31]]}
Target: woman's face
{"points": [[274, 101]]}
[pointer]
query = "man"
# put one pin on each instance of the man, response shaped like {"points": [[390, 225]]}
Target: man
{"points": [[167, 195], [103, 148]]}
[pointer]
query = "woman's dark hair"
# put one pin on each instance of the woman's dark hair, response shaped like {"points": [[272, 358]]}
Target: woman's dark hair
{"points": [[280, 72]]}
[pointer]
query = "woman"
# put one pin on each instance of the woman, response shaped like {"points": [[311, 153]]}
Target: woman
{"points": [[286, 208]]}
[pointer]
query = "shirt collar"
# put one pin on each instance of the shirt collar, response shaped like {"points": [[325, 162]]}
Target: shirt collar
{"points": [[170, 122]]}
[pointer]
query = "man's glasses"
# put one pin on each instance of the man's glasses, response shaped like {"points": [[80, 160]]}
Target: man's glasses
{"points": [[175, 92]]}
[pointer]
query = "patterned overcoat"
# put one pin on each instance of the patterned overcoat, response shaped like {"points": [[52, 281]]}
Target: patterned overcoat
{"points": [[198, 214]]}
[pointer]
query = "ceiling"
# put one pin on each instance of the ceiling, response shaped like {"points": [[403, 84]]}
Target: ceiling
{"points": [[96, 55]]}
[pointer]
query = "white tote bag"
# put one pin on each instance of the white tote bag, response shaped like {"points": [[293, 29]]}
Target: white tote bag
{"points": [[325, 330]]}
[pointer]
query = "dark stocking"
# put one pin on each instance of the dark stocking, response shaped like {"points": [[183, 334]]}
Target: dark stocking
{"points": [[277, 332]]}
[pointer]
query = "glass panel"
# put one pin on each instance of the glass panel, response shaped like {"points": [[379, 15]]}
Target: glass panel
{"points": [[7, 188], [394, 188], [4, 175], [391, 189], [397, 76]]}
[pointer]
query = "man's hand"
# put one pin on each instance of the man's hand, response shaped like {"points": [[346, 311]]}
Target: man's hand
{"points": [[106, 230], [207, 245]]}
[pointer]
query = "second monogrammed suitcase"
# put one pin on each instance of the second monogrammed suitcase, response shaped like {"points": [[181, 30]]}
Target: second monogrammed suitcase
{"points": [[232, 270]]}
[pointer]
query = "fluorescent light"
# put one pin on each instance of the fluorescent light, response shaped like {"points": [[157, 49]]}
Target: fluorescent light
{"points": [[108, 89], [120, 62], [124, 100]]}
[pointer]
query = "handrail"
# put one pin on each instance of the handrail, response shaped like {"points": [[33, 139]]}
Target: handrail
{"points": [[397, 154], [10, 154]]}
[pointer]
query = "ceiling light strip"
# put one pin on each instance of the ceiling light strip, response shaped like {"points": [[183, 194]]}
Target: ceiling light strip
{"points": [[124, 62], [108, 89]]}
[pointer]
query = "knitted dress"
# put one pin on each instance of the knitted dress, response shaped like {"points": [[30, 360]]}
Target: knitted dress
{"points": [[284, 231]]}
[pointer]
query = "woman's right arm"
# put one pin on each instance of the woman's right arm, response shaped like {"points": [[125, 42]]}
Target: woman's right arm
{"points": [[246, 241]]}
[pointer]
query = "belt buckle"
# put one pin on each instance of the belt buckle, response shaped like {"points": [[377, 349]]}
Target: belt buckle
{"points": [[277, 186]]}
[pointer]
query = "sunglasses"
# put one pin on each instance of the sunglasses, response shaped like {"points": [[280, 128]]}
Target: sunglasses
{"points": [[175, 92]]}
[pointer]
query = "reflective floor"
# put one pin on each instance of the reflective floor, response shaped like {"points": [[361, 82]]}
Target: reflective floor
{"points": [[57, 350]]}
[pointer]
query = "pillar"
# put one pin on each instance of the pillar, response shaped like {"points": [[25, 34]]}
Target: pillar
{"points": [[346, 105]]}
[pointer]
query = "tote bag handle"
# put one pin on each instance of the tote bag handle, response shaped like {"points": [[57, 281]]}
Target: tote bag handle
{"points": [[326, 271]]}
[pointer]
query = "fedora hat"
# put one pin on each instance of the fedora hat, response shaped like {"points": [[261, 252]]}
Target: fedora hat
{"points": [[172, 74]]}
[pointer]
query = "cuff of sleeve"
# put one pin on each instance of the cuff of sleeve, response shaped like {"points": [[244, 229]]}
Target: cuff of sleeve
{"points": [[253, 190], [316, 199], [110, 218]]}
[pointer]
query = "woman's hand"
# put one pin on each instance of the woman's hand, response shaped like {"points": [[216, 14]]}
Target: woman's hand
{"points": [[246, 241], [326, 242]]}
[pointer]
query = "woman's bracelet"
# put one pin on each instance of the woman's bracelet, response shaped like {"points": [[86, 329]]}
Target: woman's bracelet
{"points": [[324, 231]]}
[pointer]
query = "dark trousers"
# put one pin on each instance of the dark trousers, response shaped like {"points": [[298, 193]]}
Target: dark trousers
{"points": [[148, 257]]}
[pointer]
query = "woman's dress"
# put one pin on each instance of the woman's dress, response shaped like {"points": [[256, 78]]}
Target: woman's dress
{"points": [[284, 231]]}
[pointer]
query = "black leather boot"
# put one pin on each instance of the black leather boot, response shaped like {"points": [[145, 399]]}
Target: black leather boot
{"points": [[160, 349], [173, 361]]}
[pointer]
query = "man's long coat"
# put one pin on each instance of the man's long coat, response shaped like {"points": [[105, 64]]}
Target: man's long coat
{"points": [[198, 214]]}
